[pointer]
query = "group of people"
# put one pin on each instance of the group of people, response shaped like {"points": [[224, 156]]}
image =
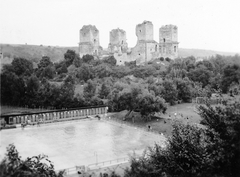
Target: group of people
{"points": [[28, 122]]}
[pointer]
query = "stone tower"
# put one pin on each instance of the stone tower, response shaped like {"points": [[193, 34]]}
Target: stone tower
{"points": [[89, 41], [144, 31], [146, 48], [117, 42], [168, 41]]}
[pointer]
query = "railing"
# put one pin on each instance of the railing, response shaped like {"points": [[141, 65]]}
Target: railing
{"points": [[108, 163], [94, 166]]}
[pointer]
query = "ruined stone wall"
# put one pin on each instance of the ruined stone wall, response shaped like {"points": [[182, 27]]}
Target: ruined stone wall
{"points": [[89, 40], [168, 33], [146, 48], [144, 31], [117, 41], [168, 41]]}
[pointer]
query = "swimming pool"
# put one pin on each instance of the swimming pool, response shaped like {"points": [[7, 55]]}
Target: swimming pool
{"points": [[78, 142]]}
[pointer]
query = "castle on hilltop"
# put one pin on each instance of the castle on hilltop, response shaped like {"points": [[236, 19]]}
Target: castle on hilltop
{"points": [[144, 51]]}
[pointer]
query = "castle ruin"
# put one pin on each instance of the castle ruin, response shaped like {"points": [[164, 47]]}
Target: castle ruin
{"points": [[168, 41], [117, 41], [144, 51], [89, 41]]}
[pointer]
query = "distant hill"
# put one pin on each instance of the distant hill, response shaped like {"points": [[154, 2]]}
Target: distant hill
{"points": [[201, 53], [33, 52], [56, 53]]}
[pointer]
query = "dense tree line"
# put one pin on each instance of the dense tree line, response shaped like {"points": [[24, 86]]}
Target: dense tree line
{"points": [[52, 85]]}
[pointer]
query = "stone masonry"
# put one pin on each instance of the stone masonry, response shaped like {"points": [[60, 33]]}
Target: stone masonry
{"points": [[144, 51]]}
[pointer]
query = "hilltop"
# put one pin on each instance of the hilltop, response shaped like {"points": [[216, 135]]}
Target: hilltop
{"points": [[56, 53]]}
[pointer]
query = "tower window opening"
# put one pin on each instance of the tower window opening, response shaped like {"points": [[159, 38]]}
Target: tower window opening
{"points": [[140, 31], [175, 49], [164, 40], [94, 40], [156, 48]]}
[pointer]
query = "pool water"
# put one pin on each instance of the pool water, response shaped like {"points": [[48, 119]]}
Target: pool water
{"points": [[78, 142]]}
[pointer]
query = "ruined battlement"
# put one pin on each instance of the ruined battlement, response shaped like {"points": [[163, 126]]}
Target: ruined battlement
{"points": [[117, 37], [89, 40], [117, 43], [146, 48], [89, 33], [144, 31], [168, 33]]}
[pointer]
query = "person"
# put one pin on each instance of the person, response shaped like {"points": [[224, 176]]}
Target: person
{"points": [[149, 127], [38, 123]]}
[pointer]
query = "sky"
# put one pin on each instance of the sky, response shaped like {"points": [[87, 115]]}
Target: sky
{"points": [[202, 24]]}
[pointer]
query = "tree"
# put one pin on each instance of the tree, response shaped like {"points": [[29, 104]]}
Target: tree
{"points": [[89, 90], [104, 91], [84, 72], [231, 74], [44, 62], [12, 165], [32, 86], [70, 56], [102, 70], [87, 58], [22, 66], [184, 90], [201, 74], [225, 121], [110, 60], [149, 105], [169, 92]]}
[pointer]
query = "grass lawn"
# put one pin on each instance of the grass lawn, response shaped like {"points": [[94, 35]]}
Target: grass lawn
{"points": [[163, 123]]}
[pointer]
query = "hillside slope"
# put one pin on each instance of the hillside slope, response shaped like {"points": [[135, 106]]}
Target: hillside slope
{"points": [[201, 53], [35, 52]]}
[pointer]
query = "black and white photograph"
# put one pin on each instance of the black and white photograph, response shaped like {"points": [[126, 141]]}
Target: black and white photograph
{"points": [[120, 88]]}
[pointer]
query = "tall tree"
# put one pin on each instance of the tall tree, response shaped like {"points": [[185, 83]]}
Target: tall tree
{"points": [[169, 92], [225, 121], [69, 57], [22, 66], [149, 105]]}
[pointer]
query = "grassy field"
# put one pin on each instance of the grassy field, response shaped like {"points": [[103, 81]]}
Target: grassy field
{"points": [[163, 123]]}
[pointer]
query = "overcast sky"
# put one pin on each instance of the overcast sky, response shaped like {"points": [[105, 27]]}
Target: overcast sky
{"points": [[202, 24]]}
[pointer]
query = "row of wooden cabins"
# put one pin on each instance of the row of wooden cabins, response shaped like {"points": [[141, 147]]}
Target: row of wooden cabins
{"points": [[54, 115]]}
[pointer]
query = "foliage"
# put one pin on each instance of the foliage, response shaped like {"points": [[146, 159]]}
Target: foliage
{"points": [[225, 121], [184, 89], [110, 60], [90, 89], [36, 166], [189, 152], [149, 104], [169, 92], [22, 66], [44, 62], [87, 58], [70, 56], [84, 73], [193, 150], [104, 91], [231, 74]]}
